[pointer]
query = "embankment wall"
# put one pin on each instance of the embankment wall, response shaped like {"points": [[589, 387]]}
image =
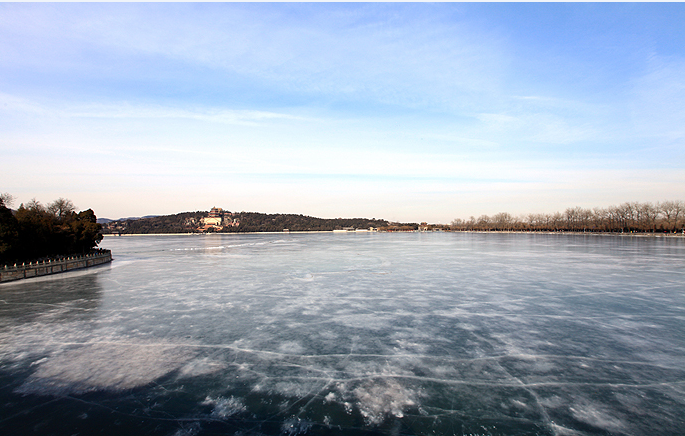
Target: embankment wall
{"points": [[53, 266]]}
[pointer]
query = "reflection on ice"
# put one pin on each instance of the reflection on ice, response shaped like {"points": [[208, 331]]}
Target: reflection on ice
{"points": [[376, 334]]}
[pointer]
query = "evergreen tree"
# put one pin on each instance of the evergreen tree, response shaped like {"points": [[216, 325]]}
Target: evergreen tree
{"points": [[9, 234], [35, 231]]}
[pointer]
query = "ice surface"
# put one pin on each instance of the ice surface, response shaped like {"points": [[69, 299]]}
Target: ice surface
{"points": [[346, 334], [111, 366]]}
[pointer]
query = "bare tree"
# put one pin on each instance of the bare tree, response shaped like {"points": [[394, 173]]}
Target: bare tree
{"points": [[471, 222], [61, 207], [6, 198], [571, 218], [34, 205], [601, 219], [557, 220], [648, 214], [680, 210], [502, 221], [483, 222], [672, 210], [626, 217]]}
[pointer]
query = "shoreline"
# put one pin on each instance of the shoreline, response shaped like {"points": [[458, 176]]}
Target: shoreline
{"points": [[542, 232], [53, 266]]}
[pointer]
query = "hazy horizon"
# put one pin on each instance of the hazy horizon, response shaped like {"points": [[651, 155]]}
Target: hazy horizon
{"points": [[406, 112]]}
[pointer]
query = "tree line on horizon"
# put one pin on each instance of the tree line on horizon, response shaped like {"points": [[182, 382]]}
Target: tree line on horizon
{"points": [[152, 225], [35, 232], [662, 217]]}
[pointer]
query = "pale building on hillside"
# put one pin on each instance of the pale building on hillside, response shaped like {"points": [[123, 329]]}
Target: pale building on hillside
{"points": [[212, 221], [215, 217]]}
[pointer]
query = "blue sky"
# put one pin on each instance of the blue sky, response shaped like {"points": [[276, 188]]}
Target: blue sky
{"points": [[409, 112]]}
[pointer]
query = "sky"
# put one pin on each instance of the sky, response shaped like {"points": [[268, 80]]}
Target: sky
{"points": [[404, 111]]}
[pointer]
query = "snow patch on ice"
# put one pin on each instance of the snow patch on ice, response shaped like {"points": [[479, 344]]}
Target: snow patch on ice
{"points": [[105, 366], [290, 347], [596, 416], [224, 407], [203, 366], [377, 399]]}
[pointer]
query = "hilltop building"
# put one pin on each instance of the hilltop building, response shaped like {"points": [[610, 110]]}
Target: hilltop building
{"points": [[217, 219]]}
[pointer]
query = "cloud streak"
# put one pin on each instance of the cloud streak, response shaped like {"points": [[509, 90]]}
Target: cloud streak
{"points": [[250, 102], [16, 105]]}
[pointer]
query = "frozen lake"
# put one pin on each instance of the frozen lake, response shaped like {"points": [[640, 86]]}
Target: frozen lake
{"points": [[352, 334]]}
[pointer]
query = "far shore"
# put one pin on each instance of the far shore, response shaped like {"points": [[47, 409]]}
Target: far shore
{"points": [[648, 235]]}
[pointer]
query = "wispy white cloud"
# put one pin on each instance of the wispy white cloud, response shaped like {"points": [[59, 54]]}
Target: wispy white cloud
{"points": [[430, 105], [16, 105], [408, 58], [538, 128]]}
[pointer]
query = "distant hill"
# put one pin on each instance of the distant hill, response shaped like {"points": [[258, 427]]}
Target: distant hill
{"points": [[259, 222], [107, 220], [153, 224], [187, 222]]}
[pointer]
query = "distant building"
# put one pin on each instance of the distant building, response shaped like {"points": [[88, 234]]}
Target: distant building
{"points": [[216, 212], [218, 219], [212, 221], [215, 217]]}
